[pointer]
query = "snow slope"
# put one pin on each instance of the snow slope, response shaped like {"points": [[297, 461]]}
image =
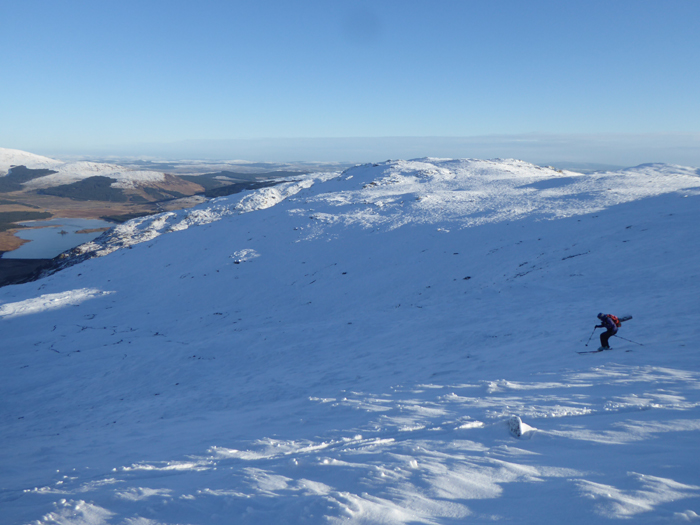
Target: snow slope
{"points": [[77, 171], [15, 157], [352, 347], [70, 172]]}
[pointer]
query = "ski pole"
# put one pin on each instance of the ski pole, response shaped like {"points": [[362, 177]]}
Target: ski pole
{"points": [[635, 342], [591, 337]]}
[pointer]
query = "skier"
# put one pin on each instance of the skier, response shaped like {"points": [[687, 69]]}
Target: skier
{"points": [[610, 330]]}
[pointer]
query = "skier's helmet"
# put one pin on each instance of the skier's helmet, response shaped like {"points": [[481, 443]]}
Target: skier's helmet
{"points": [[600, 316]]}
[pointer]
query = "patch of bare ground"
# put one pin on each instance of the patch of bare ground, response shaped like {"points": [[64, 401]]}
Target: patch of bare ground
{"points": [[73, 209], [92, 230], [170, 186], [17, 207], [179, 204], [179, 185], [9, 242]]}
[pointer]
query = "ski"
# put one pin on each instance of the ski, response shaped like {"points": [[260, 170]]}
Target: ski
{"points": [[599, 351]]}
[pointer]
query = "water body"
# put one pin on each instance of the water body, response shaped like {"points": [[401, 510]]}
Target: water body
{"points": [[50, 238]]}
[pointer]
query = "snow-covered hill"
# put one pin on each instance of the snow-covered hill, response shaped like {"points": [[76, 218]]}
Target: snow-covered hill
{"points": [[70, 172], [15, 157], [352, 347], [76, 171]]}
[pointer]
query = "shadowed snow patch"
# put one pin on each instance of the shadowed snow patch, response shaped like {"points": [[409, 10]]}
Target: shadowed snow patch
{"points": [[617, 503]]}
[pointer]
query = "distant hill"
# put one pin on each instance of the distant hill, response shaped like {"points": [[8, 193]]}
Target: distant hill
{"points": [[37, 173], [90, 189], [8, 219], [18, 175], [213, 181], [14, 157]]}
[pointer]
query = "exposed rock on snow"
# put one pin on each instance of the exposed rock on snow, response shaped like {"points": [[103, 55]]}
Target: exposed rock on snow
{"points": [[518, 428], [244, 255]]}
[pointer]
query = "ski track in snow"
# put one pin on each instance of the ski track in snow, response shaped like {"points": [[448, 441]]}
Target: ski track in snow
{"points": [[394, 344]]}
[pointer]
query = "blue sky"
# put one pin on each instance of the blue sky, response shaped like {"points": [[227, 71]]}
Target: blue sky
{"points": [[139, 77]]}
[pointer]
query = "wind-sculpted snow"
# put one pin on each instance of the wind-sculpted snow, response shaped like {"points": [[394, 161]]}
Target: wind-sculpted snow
{"points": [[615, 503], [417, 455], [396, 344]]}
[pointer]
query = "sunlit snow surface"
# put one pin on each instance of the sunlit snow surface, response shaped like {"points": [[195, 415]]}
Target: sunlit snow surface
{"points": [[15, 157], [392, 344], [70, 172], [48, 302]]}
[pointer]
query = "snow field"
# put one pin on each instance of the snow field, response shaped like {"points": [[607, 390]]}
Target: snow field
{"points": [[292, 364]]}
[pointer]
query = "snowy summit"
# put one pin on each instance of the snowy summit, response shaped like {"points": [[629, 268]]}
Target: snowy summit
{"points": [[70, 172], [396, 343], [14, 157]]}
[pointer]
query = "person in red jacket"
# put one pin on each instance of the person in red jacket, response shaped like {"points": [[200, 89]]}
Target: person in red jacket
{"points": [[610, 330]]}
